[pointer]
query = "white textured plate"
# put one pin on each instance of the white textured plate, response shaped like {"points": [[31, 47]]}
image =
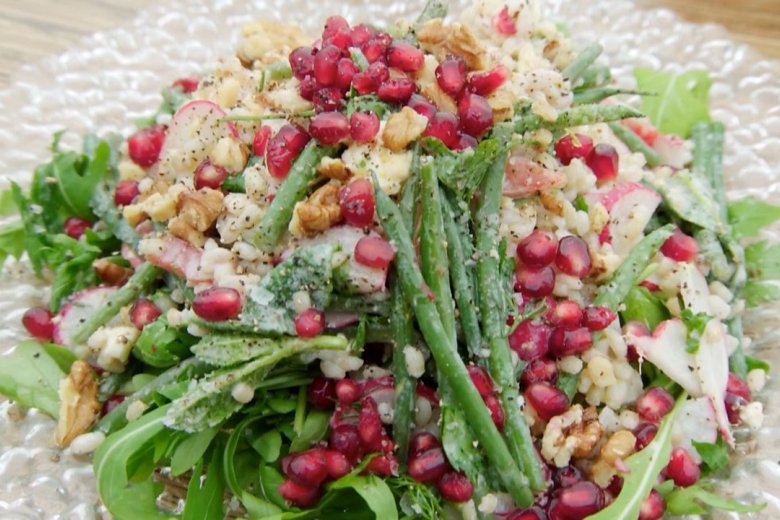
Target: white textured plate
{"points": [[113, 77]]}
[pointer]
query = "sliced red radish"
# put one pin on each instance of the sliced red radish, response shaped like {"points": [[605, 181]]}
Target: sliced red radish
{"points": [[176, 256], [695, 421], [79, 307], [667, 349], [712, 368], [525, 177], [630, 206]]}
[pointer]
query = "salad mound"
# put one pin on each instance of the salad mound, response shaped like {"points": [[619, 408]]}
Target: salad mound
{"points": [[438, 270]]}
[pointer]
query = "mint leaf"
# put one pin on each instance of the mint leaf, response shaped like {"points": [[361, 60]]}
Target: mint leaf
{"points": [[759, 293], [682, 100], [715, 456], [749, 215]]}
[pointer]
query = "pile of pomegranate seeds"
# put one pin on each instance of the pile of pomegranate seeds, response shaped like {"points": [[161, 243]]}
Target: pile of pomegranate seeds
{"points": [[487, 391]]}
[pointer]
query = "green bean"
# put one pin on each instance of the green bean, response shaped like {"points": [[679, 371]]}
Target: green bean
{"points": [[493, 319], [234, 184], [401, 325], [447, 359], [577, 116], [635, 143], [143, 277], [377, 305], [594, 76], [409, 194], [627, 275], [596, 95], [708, 159], [277, 217], [584, 59], [462, 274]]}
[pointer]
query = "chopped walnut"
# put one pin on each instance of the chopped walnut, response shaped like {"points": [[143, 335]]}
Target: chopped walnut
{"points": [[619, 446], [79, 405], [333, 169], [502, 102], [268, 41], [111, 273], [457, 39], [551, 201], [572, 434], [197, 212], [318, 213], [403, 128]]}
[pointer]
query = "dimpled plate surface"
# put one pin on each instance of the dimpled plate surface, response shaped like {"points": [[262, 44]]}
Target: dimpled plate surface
{"points": [[112, 77]]}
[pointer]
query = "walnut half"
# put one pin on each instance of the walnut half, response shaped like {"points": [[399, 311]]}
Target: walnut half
{"points": [[197, 211], [79, 406], [318, 213], [572, 434]]}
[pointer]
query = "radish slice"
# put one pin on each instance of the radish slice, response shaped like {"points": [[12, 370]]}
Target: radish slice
{"points": [[79, 307], [175, 256], [524, 177], [695, 421], [712, 368], [194, 130], [666, 349], [630, 206], [694, 289]]}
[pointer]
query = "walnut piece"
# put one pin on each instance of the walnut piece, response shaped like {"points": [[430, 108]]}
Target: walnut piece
{"points": [[318, 213], [457, 39], [268, 41], [403, 128], [572, 434], [111, 273], [197, 212], [79, 405], [333, 169]]}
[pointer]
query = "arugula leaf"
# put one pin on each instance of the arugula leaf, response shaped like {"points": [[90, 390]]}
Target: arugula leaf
{"points": [[161, 345], [762, 261], [102, 204], [269, 445], [749, 215], [642, 305], [11, 240], [7, 204], [759, 293], [695, 322], [462, 172], [257, 508], [645, 466], [682, 100], [77, 177], [714, 455], [691, 500], [205, 499], [190, 451], [31, 376]]}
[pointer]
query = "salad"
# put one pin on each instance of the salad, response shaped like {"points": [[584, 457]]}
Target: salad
{"points": [[444, 269]]}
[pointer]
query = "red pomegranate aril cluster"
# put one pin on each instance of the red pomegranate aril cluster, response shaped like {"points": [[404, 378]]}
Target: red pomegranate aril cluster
{"points": [[573, 257], [598, 318], [327, 99], [531, 513], [405, 56], [535, 282], [736, 385], [577, 502], [370, 425], [476, 116], [363, 126], [654, 404], [302, 62], [421, 105], [565, 314], [567, 476], [570, 147], [144, 146], [530, 340], [209, 175], [75, 227], [321, 393], [125, 192], [484, 386], [374, 252], [444, 127], [326, 63], [451, 76], [421, 442], [682, 468], [396, 90], [428, 463], [347, 391], [546, 400], [653, 507], [603, 161], [283, 148], [539, 371], [356, 201], [310, 323], [217, 304], [329, 128], [307, 470], [455, 486], [644, 433], [143, 312], [38, 322], [260, 140], [485, 83], [680, 247], [570, 342], [537, 249], [187, 85]]}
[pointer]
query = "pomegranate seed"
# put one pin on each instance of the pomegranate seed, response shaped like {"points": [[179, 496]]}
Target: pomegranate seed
{"points": [[654, 404], [451, 76], [465, 142], [336, 464], [573, 257], [529, 340], [496, 412], [485, 83], [217, 303], [209, 175], [570, 342], [682, 468], [532, 513], [578, 501], [503, 23], [329, 127], [333, 24], [369, 80], [322, 393], [327, 99], [423, 442], [260, 140], [344, 438], [615, 485], [143, 312], [283, 148], [603, 161], [444, 127], [421, 105], [347, 391], [653, 507], [537, 249], [455, 487], [481, 380], [428, 466], [383, 466], [307, 467], [397, 90], [345, 73], [644, 433], [535, 283], [144, 146], [680, 247], [476, 116], [567, 476], [374, 252], [363, 126], [566, 315], [356, 200], [734, 404], [598, 318], [650, 286], [111, 403], [37, 321], [341, 39], [375, 49], [361, 34], [738, 386], [326, 62], [574, 146], [74, 227], [404, 56], [302, 62], [308, 88], [298, 495], [369, 425], [539, 371], [125, 192], [309, 323], [187, 85], [546, 400]]}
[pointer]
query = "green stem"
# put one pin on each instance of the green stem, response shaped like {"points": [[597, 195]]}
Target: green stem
{"points": [[635, 143], [405, 385], [584, 59]]}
